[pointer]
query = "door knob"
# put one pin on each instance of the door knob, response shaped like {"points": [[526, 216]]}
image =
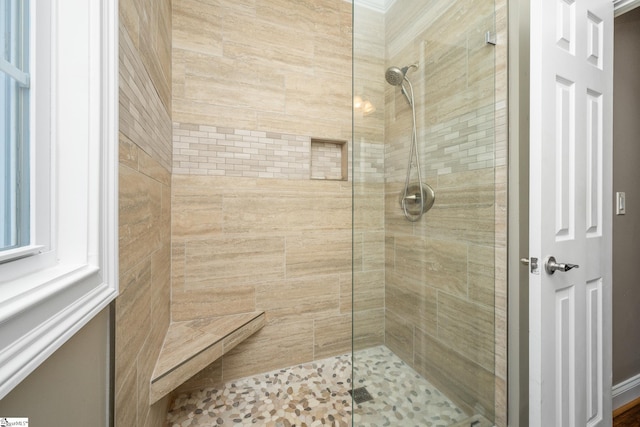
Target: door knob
{"points": [[551, 266]]}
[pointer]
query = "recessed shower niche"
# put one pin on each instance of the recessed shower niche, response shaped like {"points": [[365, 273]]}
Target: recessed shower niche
{"points": [[329, 159]]}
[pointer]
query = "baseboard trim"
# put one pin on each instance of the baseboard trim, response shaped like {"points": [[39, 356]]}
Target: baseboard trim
{"points": [[625, 408], [626, 393]]}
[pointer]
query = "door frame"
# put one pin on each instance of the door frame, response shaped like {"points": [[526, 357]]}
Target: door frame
{"points": [[518, 215], [518, 211], [623, 6], [627, 391]]}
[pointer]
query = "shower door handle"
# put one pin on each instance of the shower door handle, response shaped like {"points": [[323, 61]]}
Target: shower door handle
{"points": [[551, 266]]}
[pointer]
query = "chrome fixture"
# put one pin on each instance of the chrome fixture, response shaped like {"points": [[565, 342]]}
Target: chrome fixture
{"points": [[418, 198], [490, 38], [415, 200], [396, 76], [551, 266]]}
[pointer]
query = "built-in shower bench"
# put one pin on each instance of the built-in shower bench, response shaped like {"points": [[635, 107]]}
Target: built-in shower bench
{"points": [[191, 346]]}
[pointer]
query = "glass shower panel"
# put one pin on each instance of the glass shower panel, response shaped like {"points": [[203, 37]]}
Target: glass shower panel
{"points": [[424, 285]]}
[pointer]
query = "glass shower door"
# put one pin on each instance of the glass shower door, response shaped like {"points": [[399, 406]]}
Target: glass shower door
{"points": [[424, 284]]}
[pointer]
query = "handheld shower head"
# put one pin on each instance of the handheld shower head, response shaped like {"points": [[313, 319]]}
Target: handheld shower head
{"points": [[396, 75]]}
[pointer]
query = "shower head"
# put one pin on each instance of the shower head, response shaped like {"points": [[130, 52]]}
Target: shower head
{"points": [[395, 75]]}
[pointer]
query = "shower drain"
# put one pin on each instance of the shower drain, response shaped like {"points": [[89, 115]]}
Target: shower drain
{"points": [[360, 395]]}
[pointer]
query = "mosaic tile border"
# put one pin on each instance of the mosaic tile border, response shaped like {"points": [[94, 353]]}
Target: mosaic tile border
{"points": [[200, 149], [213, 150], [461, 144]]}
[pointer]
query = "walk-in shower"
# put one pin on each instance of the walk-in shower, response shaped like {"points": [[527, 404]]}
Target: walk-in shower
{"points": [[370, 319], [417, 198], [426, 310]]}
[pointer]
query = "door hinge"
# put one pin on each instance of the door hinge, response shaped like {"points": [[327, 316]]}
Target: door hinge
{"points": [[490, 38]]}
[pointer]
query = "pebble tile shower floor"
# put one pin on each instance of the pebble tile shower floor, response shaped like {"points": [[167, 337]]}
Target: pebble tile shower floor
{"points": [[317, 394]]}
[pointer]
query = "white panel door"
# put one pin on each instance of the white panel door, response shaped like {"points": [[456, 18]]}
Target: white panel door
{"points": [[570, 212]]}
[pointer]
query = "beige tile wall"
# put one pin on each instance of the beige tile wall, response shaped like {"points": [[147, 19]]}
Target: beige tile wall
{"points": [[282, 246], [253, 83], [273, 66], [142, 308], [148, 24], [142, 116]]}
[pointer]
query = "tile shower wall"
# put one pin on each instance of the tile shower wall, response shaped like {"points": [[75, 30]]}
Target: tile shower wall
{"points": [[142, 308], [452, 330], [253, 83], [282, 246], [271, 66]]}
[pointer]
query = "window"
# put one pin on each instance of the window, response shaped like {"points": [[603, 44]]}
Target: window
{"points": [[14, 125], [58, 195]]}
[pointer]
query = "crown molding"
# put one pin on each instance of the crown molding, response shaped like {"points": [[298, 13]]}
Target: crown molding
{"points": [[381, 6], [622, 6]]}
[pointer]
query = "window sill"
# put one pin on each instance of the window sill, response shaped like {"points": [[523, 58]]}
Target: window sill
{"points": [[47, 297], [38, 321], [12, 254]]}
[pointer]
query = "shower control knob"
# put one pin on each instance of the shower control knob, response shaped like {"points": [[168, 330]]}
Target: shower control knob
{"points": [[551, 266]]}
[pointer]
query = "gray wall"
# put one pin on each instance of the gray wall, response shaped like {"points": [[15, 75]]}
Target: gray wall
{"points": [[71, 388], [626, 177]]}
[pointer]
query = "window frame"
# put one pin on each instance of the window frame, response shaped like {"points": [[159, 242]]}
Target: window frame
{"points": [[72, 271], [16, 69]]}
